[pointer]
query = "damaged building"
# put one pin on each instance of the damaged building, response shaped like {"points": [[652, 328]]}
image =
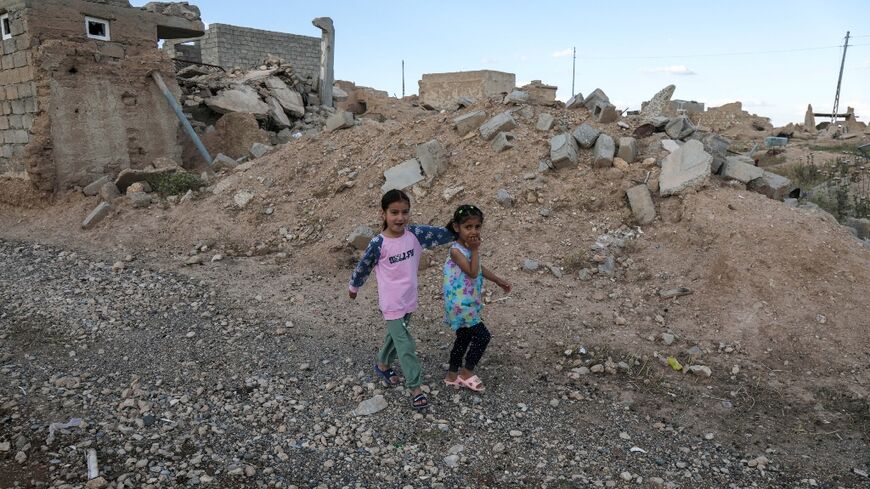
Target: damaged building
{"points": [[78, 101]]}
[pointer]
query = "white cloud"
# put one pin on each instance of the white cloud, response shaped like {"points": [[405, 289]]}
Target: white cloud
{"points": [[867, 65], [563, 53], [671, 70]]}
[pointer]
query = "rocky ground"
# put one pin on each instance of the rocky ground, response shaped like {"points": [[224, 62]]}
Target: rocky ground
{"points": [[181, 380]]}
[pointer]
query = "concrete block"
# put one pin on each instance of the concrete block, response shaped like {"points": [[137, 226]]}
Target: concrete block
{"points": [[139, 200], [432, 158], [640, 201], [656, 106], [741, 168], [586, 135], [605, 113], [627, 149], [96, 215], [545, 122], [403, 175], [259, 149], [575, 102], [679, 128], [517, 97], [776, 187], [597, 96], [526, 112], [359, 238], [109, 192], [497, 124], [563, 151], [94, 187], [687, 167], [340, 120], [276, 113], [603, 152], [503, 141], [223, 162], [670, 145]]}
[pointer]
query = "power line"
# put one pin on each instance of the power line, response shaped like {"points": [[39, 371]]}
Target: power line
{"points": [[710, 55]]}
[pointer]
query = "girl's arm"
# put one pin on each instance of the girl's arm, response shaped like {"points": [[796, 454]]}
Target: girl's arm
{"points": [[469, 268], [431, 236], [366, 265], [487, 274]]}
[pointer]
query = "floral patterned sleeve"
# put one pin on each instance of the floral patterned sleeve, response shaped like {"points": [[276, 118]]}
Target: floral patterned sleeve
{"points": [[367, 263], [431, 236]]}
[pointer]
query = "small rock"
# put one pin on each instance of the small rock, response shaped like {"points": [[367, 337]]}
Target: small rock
{"points": [[498, 447], [98, 483], [243, 198], [530, 265], [451, 461], [668, 338], [504, 198], [371, 406], [516, 433]]}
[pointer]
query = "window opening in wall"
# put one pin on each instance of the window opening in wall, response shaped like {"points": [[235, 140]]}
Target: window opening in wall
{"points": [[97, 28], [5, 26]]}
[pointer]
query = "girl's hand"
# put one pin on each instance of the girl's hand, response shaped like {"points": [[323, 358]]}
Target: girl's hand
{"points": [[473, 242]]}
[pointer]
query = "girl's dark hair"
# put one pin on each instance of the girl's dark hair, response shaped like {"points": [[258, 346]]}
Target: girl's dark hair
{"points": [[394, 195], [462, 214]]}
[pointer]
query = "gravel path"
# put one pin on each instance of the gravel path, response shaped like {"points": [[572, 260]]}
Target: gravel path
{"points": [[178, 384]]}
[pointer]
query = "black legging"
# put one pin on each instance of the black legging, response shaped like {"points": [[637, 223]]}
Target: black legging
{"points": [[477, 337]]}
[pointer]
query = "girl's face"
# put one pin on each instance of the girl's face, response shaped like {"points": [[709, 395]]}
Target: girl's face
{"points": [[397, 216], [470, 228]]}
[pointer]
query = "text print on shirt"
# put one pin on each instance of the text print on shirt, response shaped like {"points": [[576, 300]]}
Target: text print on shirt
{"points": [[402, 257]]}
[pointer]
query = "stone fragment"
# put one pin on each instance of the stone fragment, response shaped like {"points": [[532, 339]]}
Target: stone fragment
{"points": [[497, 124], [96, 215], [276, 113], [776, 187], [810, 120], [340, 120], [223, 162], [139, 187], [597, 96], [503, 141], [563, 151], [575, 102], [627, 149], [688, 166], [621, 164], [504, 198], [605, 112], [242, 198], [657, 105], [603, 152], [432, 158], [861, 226], [450, 192], [240, 98], [259, 150], [464, 102], [680, 128], [640, 201], [469, 122], [741, 168], [403, 175], [717, 146], [585, 135], [130, 176], [670, 145], [371, 406], [545, 122], [530, 265], [94, 187], [360, 237], [109, 192], [517, 97], [526, 112], [289, 99], [139, 199]]}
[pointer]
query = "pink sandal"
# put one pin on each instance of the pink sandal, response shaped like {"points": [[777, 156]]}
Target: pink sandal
{"points": [[452, 383], [472, 383]]}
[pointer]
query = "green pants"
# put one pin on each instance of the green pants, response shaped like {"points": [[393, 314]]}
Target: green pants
{"points": [[400, 344]]}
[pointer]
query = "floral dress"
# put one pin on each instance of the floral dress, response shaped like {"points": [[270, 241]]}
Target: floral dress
{"points": [[462, 303]]}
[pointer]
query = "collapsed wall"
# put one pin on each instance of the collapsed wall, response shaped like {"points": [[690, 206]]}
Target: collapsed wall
{"points": [[440, 90]]}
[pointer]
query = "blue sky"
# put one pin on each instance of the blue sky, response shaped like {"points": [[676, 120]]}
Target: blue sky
{"points": [[630, 49]]}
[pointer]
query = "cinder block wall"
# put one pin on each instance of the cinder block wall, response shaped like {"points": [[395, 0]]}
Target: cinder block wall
{"points": [[17, 95], [232, 46]]}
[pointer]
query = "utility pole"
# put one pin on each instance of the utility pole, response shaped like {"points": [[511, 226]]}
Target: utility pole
{"points": [[839, 81], [573, 71], [403, 78]]}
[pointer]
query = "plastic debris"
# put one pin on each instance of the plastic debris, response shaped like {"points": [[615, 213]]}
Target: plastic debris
{"points": [[675, 364], [72, 423]]}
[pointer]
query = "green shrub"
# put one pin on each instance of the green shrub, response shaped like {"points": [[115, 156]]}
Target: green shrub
{"points": [[174, 183]]}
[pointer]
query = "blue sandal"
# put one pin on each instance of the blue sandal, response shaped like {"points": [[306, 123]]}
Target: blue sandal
{"points": [[386, 375], [420, 402]]}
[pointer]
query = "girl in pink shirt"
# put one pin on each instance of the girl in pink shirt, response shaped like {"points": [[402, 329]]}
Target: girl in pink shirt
{"points": [[394, 255]]}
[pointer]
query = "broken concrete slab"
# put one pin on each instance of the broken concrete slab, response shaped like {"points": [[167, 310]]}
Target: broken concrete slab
{"points": [[94, 187], [463, 102], [545, 122], [360, 237], [129, 176], [497, 124], [109, 192], [741, 168], [605, 112], [432, 158], [627, 149], [96, 215], [563, 151], [640, 201], [223, 162], [575, 102], [717, 146], [526, 112], [670, 145], [240, 98], [276, 113], [403, 175], [680, 128], [139, 200], [776, 187], [290, 99], [503, 141], [603, 152], [657, 105], [340, 120], [517, 97], [687, 167], [595, 98], [585, 135], [259, 150], [469, 122]]}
